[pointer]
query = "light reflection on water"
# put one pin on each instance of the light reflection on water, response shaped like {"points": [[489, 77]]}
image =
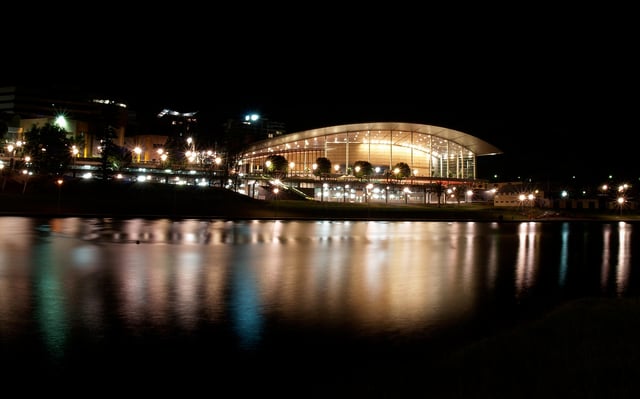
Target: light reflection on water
{"points": [[68, 282]]}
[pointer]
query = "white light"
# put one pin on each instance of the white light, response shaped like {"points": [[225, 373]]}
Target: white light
{"points": [[61, 122]]}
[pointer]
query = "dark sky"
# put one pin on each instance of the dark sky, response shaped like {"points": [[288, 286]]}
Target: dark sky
{"points": [[550, 126], [555, 89]]}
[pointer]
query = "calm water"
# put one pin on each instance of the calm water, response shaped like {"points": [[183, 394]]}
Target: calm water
{"points": [[306, 308]]}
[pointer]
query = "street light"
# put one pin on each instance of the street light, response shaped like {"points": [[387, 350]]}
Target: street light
{"points": [[275, 191], [620, 202], [59, 183], [366, 191], [26, 174], [11, 151], [161, 154]]}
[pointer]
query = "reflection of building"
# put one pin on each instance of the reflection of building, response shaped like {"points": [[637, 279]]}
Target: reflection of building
{"points": [[430, 151]]}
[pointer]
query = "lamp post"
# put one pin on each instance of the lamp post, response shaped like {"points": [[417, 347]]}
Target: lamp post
{"points": [[275, 192], [26, 174], [366, 192], [469, 196], [620, 202], [59, 183], [74, 154], [11, 151]]}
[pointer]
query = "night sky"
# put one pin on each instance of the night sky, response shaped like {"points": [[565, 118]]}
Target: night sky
{"points": [[555, 90]]}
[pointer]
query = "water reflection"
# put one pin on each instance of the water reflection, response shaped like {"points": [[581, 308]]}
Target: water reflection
{"points": [[624, 257], [72, 280], [50, 302], [528, 256], [564, 253]]}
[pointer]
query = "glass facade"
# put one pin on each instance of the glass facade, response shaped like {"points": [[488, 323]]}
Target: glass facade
{"points": [[430, 151]]}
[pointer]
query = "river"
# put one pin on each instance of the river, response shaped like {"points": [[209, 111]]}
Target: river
{"points": [[306, 308]]}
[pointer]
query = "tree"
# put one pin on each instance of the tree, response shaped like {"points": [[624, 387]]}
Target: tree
{"points": [[401, 170], [277, 165], [439, 189], [108, 151], [7, 120], [4, 128], [323, 167], [461, 193], [49, 149], [119, 158], [362, 169]]}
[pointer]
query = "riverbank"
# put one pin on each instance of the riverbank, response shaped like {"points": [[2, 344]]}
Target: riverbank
{"points": [[93, 198]]}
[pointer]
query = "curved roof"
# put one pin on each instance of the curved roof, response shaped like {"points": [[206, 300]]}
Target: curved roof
{"points": [[477, 146]]}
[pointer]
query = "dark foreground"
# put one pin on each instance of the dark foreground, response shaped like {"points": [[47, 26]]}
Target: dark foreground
{"points": [[587, 348]]}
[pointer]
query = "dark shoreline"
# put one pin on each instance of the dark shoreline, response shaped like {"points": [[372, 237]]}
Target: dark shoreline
{"points": [[81, 198]]}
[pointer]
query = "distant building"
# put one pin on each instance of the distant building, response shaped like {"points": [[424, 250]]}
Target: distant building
{"points": [[253, 127], [83, 115], [518, 194]]}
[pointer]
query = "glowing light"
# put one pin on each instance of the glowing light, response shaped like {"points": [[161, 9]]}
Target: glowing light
{"points": [[61, 122]]}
